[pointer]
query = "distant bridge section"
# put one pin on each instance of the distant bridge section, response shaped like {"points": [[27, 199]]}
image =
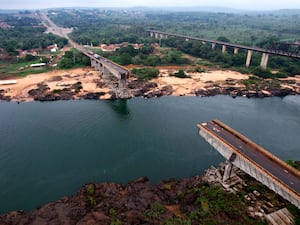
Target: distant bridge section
{"points": [[265, 52], [108, 67], [104, 65], [252, 159]]}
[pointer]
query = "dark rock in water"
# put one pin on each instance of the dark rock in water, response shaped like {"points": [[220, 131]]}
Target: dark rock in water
{"points": [[113, 95], [282, 92], [141, 87], [3, 97], [167, 90], [153, 94], [201, 92], [94, 95]]}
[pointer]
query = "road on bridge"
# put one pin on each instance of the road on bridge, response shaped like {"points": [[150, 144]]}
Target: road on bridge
{"points": [[273, 168]]}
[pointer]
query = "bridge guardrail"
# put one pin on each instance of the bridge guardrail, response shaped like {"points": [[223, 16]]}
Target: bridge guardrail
{"points": [[244, 157], [259, 148]]}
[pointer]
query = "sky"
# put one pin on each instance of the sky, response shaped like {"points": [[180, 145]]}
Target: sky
{"points": [[237, 4]]}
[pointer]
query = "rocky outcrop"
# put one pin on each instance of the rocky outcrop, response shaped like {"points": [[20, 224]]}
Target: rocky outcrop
{"points": [[139, 88], [196, 200], [94, 95], [43, 92], [3, 97], [234, 92], [184, 201]]}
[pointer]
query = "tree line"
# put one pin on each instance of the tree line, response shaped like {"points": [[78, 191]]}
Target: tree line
{"points": [[25, 33]]}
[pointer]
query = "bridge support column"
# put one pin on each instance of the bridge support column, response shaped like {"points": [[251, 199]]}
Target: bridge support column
{"points": [[249, 56], [93, 63], [235, 51], [122, 91], [264, 60], [228, 167], [213, 45], [151, 34], [187, 39], [224, 48], [156, 35], [227, 171], [105, 71]]}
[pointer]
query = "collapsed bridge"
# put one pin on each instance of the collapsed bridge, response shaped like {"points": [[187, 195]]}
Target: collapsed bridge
{"points": [[252, 159]]}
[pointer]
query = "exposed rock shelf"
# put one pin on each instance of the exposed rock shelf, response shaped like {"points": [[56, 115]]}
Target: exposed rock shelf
{"points": [[193, 200]]}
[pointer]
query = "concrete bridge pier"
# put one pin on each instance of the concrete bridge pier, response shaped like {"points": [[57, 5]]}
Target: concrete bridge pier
{"points": [[264, 60], [227, 172], [156, 35], [228, 167], [249, 56], [105, 72], [213, 46], [93, 63], [151, 34], [235, 51], [224, 48], [122, 91]]}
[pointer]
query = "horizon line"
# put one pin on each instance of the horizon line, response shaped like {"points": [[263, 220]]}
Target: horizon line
{"points": [[153, 7]]}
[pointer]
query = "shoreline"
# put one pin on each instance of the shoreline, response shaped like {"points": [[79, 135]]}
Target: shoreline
{"points": [[178, 200], [85, 83]]}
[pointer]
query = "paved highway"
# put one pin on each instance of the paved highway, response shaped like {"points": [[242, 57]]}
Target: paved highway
{"points": [[279, 172], [63, 32]]}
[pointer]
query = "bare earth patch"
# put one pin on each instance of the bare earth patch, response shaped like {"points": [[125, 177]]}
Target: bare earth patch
{"points": [[186, 86], [89, 80], [56, 80]]}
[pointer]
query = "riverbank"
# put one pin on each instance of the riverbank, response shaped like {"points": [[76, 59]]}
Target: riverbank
{"points": [[196, 200], [85, 83]]}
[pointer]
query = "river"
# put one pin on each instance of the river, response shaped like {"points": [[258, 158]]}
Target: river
{"points": [[49, 150]]}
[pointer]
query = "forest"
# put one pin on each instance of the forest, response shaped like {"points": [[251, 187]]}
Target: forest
{"points": [[25, 32], [94, 27], [265, 30]]}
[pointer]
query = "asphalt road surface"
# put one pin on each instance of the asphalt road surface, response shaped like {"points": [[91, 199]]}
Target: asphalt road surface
{"points": [[286, 177]]}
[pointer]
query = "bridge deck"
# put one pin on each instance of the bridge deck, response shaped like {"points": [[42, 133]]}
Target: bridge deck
{"points": [[280, 172], [280, 53], [108, 63]]}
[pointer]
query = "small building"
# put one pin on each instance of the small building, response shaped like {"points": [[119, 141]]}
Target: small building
{"points": [[38, 65], [7, 82]]}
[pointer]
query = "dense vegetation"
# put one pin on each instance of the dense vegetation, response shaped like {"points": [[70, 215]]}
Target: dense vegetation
{"points": [[112, 26], [266, 30], [73, 58], [145, 73], [25, 32], [95, 26]]}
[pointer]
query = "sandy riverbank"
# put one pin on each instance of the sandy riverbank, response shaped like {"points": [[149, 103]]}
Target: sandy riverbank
{"points": [[57, 79], [90, 80], [187, 86]]}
